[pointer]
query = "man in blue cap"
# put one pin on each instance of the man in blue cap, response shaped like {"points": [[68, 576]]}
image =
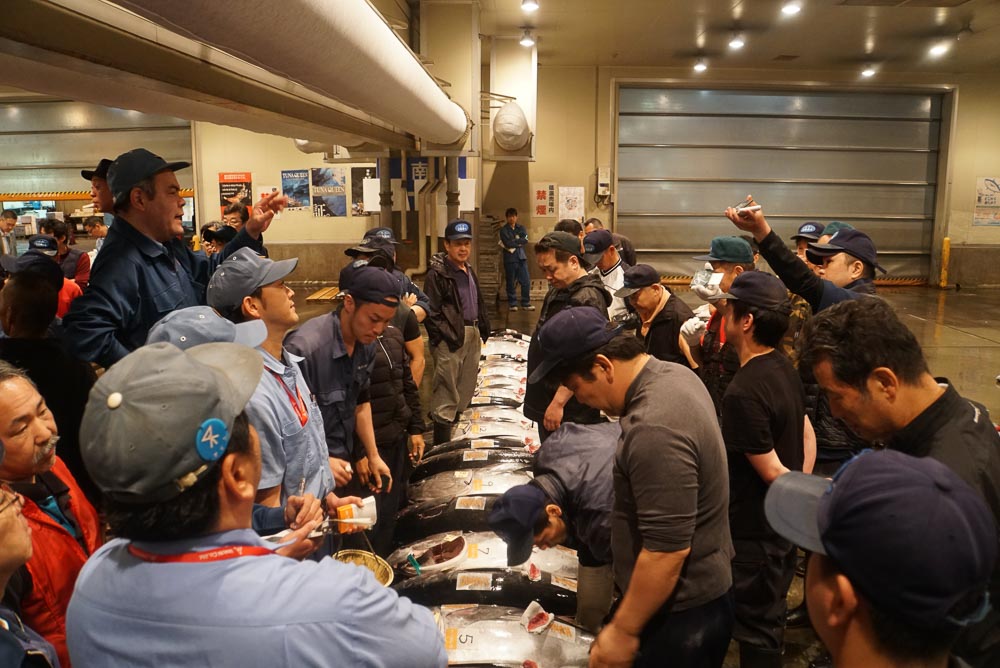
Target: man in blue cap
{"points": [[849, 261], [807, 233], [671, 542], [764, 426], [457, 326], [569, 502], [661, 314], [144, 270], [902, 551], [600, 252], [382, 240]]}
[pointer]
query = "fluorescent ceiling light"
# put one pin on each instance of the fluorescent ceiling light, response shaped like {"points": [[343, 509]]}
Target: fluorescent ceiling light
{"points": [[868, 72], [527, 39], [791, 8], [701, 65], [940, 49], [529, 5], [737, 42]]}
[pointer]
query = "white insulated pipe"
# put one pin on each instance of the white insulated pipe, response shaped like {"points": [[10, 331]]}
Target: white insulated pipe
{"points": [[341, 48]]}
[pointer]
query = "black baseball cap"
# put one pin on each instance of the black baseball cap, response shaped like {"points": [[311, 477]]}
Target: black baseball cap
{"points": [[367, 283], [384, 234], [132, 167], [914, 538], [636, 278], [853, 242], [595, 244], [224, 234], [513, 518], [458, 229], [351, 268], [572, 332], [101, 171], [810, 230], [728, 249], [43, 243], [563, 241], [34, 262], [758, 289]]}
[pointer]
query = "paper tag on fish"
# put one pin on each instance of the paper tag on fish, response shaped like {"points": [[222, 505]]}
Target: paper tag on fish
{"points": [[473, 552], [565, 583], [480, 401], [452, 607], [461, 474], [475, 456], [451, 639], [476, 429], [562, 631], [476, 415], [480, 443], [477, 484], [474, 582], [471, 503]]}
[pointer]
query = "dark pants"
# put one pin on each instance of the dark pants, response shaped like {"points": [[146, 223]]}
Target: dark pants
{"points": [[387, 504], [762, 573], [518, 273], [693, 638]]}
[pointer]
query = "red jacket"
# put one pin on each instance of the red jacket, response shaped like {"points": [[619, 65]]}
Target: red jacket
{"points": [[55, 562]]}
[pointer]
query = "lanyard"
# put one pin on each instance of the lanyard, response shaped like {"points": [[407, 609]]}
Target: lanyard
{"points": [[298, 405], [218, 554]]}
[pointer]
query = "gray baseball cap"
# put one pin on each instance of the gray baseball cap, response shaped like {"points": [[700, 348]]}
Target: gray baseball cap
{"points": [[243, 272], [160, 418], [195, 325]]}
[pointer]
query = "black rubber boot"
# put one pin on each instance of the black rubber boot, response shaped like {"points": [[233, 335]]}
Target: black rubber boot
{"points": [[758, 657], [798, 617], [442, 432]]}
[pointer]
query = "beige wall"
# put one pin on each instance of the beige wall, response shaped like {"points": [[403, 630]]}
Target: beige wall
{"points": [[218, 148]]}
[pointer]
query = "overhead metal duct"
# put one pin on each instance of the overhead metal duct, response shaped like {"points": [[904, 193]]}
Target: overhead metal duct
{"points": [[340, 48]]}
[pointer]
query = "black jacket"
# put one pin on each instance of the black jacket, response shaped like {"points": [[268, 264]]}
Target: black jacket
{"points": [[662, 339], [719, 361], [585, 291], [444, 321], [395, 400], [834, 441]]}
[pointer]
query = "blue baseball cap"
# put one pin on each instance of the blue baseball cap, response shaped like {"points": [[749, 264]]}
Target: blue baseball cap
{"points": [[241, 274], [379, 233], [43, 243], [368, 283], [133, 167], [513, 518], [758, 289], [853, 242], [34, 262], [728, 249], [595, 244], [636, 278], [458, 229], [810, 230], [572, 332], [195, 325], [914, 538]]}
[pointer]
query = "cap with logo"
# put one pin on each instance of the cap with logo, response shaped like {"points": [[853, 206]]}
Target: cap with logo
{"points": [[728, 249], [34, 262], [636, 278], [811, 231], [368, 283], [853, 242], [133, 167], [563, 241], [101, 171], [196, 325], [757, 289], [912, 537], [513, 518], [351, 268], [241, 274], [595, 244], [458, 229], [159, 419], [379, 233], [43, 243], [572, 332]]}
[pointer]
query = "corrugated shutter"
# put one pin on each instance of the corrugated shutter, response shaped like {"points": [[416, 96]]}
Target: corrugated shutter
{"points": [[868, 159]]}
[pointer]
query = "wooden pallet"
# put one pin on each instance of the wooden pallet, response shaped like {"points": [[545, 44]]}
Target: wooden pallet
{"points": [[324, 295]]}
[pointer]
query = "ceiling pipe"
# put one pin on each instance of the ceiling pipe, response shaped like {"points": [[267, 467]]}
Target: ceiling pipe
{"points": [[342, 48]]}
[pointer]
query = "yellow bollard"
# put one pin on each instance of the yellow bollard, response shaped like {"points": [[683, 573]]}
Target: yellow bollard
{"points": [[945, 258]]}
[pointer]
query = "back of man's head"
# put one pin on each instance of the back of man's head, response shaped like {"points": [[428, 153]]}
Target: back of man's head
{"points": [[858, 336], [28, 304], [593, 223], [569, 225]]}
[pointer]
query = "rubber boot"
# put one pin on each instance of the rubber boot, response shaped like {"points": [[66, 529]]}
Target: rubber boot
{"points": [[759, 657], [442, 432], [798, 617]]}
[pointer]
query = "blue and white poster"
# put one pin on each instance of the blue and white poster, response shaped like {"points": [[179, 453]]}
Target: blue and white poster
{"points": [[329, 192], [295, 186]]}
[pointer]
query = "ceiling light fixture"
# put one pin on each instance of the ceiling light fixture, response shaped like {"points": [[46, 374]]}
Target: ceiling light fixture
{"points": [[737, 42], [529, 6], [700, 65], [939, 49], [527, 39], [868, 72], [791, 8]]}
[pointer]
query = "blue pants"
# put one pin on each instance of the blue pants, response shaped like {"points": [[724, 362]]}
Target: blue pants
{"points": [[518, 273]]}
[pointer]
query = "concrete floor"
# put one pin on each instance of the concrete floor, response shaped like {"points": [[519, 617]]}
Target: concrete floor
{"points": [[958, 330]]}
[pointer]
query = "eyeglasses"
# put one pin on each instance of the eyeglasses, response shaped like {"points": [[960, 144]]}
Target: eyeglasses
{"points": [[10, 497]]}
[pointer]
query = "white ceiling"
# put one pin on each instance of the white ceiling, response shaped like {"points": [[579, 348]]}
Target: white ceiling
{"points": [[825, 35]]}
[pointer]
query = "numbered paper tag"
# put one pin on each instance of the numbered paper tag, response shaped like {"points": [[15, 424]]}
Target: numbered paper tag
{"points": [[565, 583], [476, 415], [461, 474], [480, 443], [471, 503], [480, 401], [477, 484], [473, 552], [476, 428], [475, 456], [451, 639], [474, 582], [562, 631]]}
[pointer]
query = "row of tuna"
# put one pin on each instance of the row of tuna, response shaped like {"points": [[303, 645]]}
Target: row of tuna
{"points": [[450, 560]]}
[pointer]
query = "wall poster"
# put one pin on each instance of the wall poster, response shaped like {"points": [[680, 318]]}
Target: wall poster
{"points": [[543, 200], [295, 186], [571, 203], [235, 187], [329, 191], [987, 211]]}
